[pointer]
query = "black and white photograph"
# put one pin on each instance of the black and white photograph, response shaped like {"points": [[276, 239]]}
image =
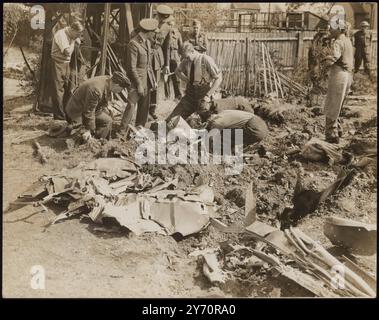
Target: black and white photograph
{"points": [[189, 150]]}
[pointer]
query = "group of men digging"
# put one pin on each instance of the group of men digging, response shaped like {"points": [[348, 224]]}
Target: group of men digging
{"points": [[156, 47]]}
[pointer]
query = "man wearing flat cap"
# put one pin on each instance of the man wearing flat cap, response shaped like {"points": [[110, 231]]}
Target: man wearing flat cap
{"points": [[203, 78], [87, 105], [198, 39], [362, 44], [341, 63], [140, 72], [164, 13]]}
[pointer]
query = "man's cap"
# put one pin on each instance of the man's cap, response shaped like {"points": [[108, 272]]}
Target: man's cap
{"points": [[365, 24], [165, 10], [120, 79], [148, 24], [196, 23]]}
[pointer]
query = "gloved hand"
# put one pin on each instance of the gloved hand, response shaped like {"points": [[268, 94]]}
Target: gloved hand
{"points": [[86, 135]]}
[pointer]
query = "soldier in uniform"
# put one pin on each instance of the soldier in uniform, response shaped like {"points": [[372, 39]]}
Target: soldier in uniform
{"points": [[159, 53], [63, 46], [340, 79], [203, 78], [87, 105], [173, 45], [197, 38], [140, 72], [362, 44]]}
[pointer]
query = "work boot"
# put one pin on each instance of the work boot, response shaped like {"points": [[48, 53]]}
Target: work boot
{"points": [[331, 131], [152, 109]]}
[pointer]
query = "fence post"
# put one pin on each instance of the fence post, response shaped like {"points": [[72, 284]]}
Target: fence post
{"points": [[299, 46], [247, 67]]}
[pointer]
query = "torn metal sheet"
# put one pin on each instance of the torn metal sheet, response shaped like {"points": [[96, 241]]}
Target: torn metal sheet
{"points": [[360, 238], [307, 281], [167, 215], [59, 183], [359, 271], [353, 281], [253, 225], [101, 186], [319, 150], [111, 167], [211, 265], [184, 217], [130, 217]]}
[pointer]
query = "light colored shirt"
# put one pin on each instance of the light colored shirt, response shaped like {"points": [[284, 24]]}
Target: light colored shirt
{"points": [[342, 53], [205, 70], [61, 42]]}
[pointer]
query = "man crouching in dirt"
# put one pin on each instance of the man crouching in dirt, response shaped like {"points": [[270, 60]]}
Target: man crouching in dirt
{"points": [[340, 78], [254, 128], [203, 78], [87, 105]]}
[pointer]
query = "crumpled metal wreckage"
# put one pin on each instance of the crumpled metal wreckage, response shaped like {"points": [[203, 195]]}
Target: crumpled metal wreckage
{"points": [[293, 255], [357, 237], [114, 187], [307, 201]]}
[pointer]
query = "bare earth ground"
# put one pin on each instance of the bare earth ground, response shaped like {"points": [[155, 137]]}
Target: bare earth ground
{"points": [[80, 262]]}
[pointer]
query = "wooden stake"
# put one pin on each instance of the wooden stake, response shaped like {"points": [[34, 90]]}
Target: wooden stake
{"points": [[264, 70]]}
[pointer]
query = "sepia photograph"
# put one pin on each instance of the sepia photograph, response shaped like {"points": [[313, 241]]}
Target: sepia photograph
{"points": [[190, 150]]}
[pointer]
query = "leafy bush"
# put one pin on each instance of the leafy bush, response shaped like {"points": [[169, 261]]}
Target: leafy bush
{"points": [[16, 25]]}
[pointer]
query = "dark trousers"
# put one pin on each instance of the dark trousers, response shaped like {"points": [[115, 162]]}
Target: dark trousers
{"points": [[142, 103], [154, 94], [103, 125], [174, 79], [255, 130], [103, 122], [60, 95], [359, 57], [191, 102]]}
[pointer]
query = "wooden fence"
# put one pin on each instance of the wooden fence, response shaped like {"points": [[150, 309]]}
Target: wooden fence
{"points": [[238, 54]]}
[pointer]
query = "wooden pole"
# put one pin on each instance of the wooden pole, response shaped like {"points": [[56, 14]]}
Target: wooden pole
{"points": [[104, 38], [129, 19], [264, 69], [247, 67]]}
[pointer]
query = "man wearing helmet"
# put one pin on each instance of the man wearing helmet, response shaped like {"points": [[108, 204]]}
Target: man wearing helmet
{"points": [[362, 44]]}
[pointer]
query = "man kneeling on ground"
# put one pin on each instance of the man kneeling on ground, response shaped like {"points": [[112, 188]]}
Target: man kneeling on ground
{"points": [[254, 128], [87, 105], [203, 78]]}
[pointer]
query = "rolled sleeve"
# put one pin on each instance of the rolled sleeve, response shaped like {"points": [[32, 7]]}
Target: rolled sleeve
{"points": [[212, 68], [61, 40]]}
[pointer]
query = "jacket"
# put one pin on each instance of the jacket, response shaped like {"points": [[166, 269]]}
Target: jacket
{"points": [[139, 63], [172, 46], [362, 41], [90, 98]]}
